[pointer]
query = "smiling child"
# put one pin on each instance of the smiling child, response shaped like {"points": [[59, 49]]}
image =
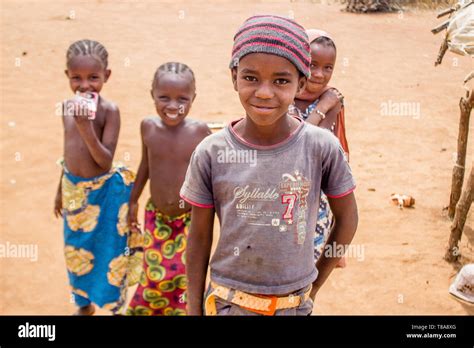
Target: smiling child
{"points": [[167, 144], [93, 195], [264, 262]]}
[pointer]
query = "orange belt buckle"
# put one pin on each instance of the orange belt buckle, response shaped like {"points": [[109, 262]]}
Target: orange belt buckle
{"points": [[271, 309]]}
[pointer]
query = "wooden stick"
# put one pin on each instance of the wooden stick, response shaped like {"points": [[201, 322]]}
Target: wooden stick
{"points": [[469, 77], [470, 96], [465, 104], [442, 51], [446, 12], [462, 208], [440, 27]]}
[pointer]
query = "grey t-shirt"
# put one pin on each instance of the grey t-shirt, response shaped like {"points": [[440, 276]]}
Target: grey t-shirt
{"points": [[266, 199]]}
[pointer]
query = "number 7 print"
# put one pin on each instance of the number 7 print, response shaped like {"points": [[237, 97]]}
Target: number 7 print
{"points": [[290, 199]]}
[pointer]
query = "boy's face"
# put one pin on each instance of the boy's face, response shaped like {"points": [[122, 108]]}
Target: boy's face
{"points": [[173, 95], [86, 74], [267, 85], [323, 59]]}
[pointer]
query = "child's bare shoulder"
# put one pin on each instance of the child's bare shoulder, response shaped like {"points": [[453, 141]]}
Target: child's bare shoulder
{"points": [[110, 109], [150, 123], [150, 120], [108, 105], [197, 126]]}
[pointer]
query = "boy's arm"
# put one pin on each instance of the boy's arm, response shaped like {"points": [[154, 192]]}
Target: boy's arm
{"points": [[197, 256], [331, 118], [346, 218], [140, 180], [58, 202], [101, 151], [330, 100]]}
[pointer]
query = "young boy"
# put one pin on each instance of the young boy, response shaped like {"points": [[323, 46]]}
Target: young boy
{"points": [[167, 144], [92, 196], [267, 207]]}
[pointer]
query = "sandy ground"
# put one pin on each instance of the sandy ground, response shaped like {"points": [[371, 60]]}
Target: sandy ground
{"points": [[381, 59]]}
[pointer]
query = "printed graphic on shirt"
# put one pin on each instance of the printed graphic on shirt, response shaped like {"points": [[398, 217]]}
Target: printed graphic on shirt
{"points": [[294, 191], [251, 201], [283, 207]]}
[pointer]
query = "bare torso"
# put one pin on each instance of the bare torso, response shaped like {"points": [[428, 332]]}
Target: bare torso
{"points": [[77, 156], [169, 151]]}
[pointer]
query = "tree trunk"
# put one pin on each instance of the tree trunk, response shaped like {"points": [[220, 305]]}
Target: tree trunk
{"points": [[465, 104], [462, 209]]}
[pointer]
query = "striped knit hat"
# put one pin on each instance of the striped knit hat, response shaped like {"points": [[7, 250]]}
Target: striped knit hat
{"points": [[274, 35]]}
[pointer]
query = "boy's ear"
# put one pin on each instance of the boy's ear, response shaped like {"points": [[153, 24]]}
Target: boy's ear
{"points": [[233, 73], [108, 72], [151, 93], [301, 84], [67, 73], [195, 94]]}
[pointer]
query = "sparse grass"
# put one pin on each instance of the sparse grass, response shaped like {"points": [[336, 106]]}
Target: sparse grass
{"points": [[428, 4], [425, 4]]}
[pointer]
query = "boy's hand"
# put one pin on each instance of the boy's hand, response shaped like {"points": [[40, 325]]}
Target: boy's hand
{"points": [[334, 93], [75, 109], [132, 217], [82, 120], [329, 100], [58, 205]]}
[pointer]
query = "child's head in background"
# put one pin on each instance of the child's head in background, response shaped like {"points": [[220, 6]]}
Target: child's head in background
{"points": [[270, 63], [173, 91], [87, 66], [323, 60]]}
